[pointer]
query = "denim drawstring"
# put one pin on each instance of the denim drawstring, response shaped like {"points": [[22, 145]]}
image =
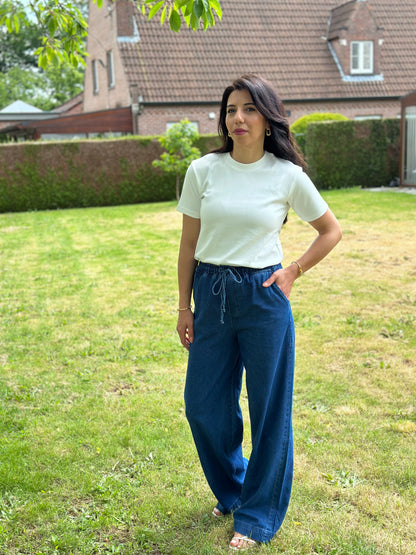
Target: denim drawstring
{"points": [[218, 287]]}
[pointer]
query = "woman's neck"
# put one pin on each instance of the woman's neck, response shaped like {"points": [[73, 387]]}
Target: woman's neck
{"points": [[246, 156]]}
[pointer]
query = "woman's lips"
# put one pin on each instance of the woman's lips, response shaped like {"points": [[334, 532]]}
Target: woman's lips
{"points": [[240, 131]]}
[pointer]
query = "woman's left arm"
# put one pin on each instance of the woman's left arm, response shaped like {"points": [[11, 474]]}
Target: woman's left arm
{"points": [[329, 234]]}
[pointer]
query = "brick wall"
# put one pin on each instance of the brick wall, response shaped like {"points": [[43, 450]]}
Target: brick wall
{"points": [[350, 109], [103, 21], [153, 120]]}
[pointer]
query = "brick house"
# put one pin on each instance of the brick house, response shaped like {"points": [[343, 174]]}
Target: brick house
{"points": [[357, 58]]}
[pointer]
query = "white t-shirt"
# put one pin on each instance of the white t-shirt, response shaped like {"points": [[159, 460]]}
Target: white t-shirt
{"points": [[242, 207]]}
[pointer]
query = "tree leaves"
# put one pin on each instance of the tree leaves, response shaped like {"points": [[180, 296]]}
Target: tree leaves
{"points": [[178, 144], [43, 89], [18, 49], [63, 27], [155, 8], [11, 15], [65, 30], [195, 13]]}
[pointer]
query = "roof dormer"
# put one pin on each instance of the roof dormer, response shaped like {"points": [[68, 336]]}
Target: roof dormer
{"points": [[355, 41]]}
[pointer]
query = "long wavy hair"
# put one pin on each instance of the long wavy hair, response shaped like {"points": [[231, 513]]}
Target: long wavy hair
{"points": [[280, 142]]}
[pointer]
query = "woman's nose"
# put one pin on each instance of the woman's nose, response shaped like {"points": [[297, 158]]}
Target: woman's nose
{"points": [[239, 115]]}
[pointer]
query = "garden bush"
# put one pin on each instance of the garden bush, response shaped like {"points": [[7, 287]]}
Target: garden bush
{"points": [[45, 175], [298, 128], [353, 153]]}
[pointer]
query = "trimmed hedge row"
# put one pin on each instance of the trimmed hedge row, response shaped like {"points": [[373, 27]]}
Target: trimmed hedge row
{"points": [[42, 176], [353, 153], [298, 128]]}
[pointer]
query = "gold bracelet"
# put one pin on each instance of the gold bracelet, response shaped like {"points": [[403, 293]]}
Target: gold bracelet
{"points": [[299, 267], [186, 308]]}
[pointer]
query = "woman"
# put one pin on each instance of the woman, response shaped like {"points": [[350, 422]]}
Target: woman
{"points": [[234, 202]]}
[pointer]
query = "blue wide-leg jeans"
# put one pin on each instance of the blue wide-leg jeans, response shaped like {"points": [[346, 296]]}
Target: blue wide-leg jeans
{"points": [[241, 324]]}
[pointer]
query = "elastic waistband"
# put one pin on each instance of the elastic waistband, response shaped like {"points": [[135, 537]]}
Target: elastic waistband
{"points": [[215, 268]]}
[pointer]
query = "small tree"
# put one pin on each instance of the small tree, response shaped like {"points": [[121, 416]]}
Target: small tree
{"points": [[178, 143]]}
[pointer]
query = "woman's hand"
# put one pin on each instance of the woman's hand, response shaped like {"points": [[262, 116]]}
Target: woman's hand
{"points": [[329, 233], [283, 278], [186, 270], [185, 327]]}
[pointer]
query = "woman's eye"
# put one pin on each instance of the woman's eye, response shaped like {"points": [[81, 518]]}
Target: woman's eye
{"points": [[230, 110]]}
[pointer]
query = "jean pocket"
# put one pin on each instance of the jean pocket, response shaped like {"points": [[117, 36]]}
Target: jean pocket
{"points": [[277, 289]]}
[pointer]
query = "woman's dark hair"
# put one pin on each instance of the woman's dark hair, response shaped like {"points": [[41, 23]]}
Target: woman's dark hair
{"points": [[280, 142]]}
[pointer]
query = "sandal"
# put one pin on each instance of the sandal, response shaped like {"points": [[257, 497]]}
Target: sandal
{"points": [[247, 543], [217, 513]]}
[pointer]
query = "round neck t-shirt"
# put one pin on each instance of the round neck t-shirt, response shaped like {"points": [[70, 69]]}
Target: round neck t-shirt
{"points": [[242, 207]]}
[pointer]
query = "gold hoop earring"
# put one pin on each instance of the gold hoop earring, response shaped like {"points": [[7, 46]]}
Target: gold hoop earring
{"points": [[229, 134], [268, 132]]}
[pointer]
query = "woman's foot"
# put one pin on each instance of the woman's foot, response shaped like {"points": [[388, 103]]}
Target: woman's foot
{"points": [[241, 543], [217, 513]]}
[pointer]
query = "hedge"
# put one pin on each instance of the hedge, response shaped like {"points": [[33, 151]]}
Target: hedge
{"points": [[353, 153], [298, 128], [44, 175]]}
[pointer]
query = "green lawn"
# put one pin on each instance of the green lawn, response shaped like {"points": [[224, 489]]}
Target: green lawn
{"points": [[95, 452]]}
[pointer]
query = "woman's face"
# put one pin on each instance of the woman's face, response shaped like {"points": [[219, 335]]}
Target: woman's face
{"points": [[244, 122]]}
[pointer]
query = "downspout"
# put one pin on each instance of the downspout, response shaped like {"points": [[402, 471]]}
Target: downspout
{"points": [[135, 109]]}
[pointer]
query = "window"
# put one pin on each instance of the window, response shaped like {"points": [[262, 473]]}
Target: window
{"points": [[110, 69], [94, 68], [193, 124], [362, 118], [362, 57]]}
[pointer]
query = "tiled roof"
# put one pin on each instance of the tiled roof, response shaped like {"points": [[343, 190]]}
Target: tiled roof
{"points": [[282, 40], [73, 105]]}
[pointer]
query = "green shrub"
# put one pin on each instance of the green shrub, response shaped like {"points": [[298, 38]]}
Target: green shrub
{"points": [[40, 176], [298, 128], [44, 175], [206, 143], [68, 174], [178, 143], [353, 153]]}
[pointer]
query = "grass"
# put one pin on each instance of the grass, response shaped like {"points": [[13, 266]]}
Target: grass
{"points": [[96, 455]]}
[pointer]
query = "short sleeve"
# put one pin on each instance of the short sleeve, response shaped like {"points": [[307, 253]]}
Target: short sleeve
{"points": [[305, 199], [190, 201]]}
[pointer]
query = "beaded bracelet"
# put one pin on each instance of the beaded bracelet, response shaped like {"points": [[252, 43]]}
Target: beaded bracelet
{"points": [[182, 309]]}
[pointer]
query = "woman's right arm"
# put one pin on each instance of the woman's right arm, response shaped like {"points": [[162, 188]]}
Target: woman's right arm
{"points": [[186, 269]]}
